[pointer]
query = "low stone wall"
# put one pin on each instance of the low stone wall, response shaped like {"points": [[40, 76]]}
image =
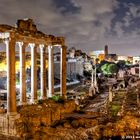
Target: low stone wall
{"points": [[7, 124], [34, 118], [38, 118]]}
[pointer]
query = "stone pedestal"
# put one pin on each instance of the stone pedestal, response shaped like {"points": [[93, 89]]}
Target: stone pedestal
{"points": [[92, 91], [8, 124]]}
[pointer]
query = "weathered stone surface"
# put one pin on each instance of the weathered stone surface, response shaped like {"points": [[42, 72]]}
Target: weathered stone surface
{"points": [[8, 125], [26, 25]]}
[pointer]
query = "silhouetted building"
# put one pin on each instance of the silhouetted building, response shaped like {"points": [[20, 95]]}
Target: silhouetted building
{"points": [[111, 57], [106, 51]]}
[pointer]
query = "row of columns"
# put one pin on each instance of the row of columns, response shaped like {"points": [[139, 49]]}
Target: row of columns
{"points": [[11, 91]]}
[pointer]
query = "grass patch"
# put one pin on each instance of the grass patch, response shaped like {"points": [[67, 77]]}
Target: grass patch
{"points": [[115, 109], [58, 98]]}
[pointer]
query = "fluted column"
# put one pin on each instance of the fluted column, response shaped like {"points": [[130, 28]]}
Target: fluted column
{"points": [[11, 91], [33, 73], [43, 85], [22, 48], [63, 71], [50, 71]]}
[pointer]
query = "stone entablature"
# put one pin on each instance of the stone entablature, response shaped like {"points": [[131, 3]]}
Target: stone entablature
{"points": [[26, 31]]}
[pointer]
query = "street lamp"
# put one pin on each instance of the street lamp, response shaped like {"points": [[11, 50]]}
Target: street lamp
{"points": [[95, 79], [92, 80]]}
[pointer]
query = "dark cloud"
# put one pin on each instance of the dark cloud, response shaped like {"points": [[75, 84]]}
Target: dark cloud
{"points": [[66, 7], [86, 24]]}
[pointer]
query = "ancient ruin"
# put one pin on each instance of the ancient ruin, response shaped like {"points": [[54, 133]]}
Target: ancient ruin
{"points": [[26, 34]]}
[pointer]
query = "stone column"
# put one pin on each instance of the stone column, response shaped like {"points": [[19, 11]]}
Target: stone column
{"points": [[33, 73], [43, 85], [11, 91], [50, 71], [22, 73], [63, 72], [110, 93]]}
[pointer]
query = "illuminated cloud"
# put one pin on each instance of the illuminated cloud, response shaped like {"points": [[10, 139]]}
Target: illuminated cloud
{"points": [[86, 24]]}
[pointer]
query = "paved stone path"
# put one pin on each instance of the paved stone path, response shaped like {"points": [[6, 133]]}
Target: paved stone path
{"points": [[97, 103]]}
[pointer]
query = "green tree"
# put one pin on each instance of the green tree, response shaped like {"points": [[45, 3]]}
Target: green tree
{"points": [[109, 68], [113, 68], [104, 68], [121, 64]]}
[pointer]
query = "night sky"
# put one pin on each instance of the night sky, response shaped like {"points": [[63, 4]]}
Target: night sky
{"points": [[87, 24]]}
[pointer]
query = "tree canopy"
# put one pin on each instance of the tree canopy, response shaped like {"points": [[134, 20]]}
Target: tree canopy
{"points": [[109, 68]]}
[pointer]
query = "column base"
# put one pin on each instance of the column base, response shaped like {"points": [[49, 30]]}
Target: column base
{"points": [[12, 113], [64, 97], [49, 95], [8, 124], [33, 101], [43, 98], [22, 103]]}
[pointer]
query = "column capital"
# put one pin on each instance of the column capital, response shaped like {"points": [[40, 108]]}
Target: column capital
{"points": [[6, 41], [4, 35], [20, 44], [50, 47], [64, 47], [42, 46], [32, 45]]}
